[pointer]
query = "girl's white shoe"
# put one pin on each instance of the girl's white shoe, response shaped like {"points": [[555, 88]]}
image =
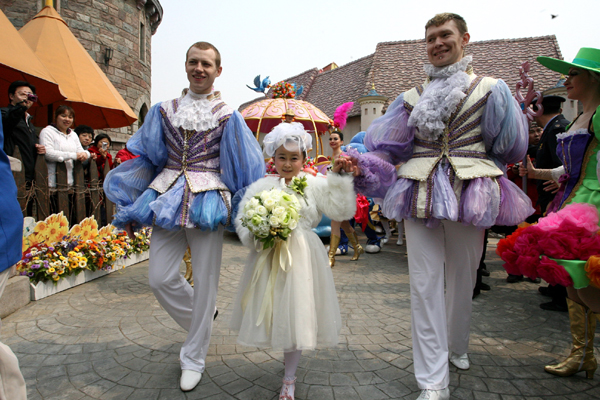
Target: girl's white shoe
{"points": [[429, 394], [287, 390]]}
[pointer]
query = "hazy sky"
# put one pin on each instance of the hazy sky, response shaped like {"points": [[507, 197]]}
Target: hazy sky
{"points": [[285, 38]]}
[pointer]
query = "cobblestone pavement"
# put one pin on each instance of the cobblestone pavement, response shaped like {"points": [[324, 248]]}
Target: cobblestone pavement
{"points": [[110, 339]]}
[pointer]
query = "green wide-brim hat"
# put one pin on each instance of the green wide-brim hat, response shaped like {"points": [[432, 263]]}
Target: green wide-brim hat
{"points": [[586, 58]]}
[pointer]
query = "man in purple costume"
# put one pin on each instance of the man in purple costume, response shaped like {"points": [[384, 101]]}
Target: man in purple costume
{"points": [[454, 135], [195, 153]]}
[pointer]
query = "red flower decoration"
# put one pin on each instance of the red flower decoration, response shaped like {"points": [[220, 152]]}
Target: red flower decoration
{"points": [[553, 273]]}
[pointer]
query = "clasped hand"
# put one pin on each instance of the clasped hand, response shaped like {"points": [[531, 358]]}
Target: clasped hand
{"points": [[343, 163]]}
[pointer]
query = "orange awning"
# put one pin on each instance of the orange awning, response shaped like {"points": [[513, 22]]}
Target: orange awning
{"points": [[19, 63], [93, 97]]}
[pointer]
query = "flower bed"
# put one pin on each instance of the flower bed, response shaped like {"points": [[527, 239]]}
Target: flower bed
{"points": [[54, 255], [44, 289]]}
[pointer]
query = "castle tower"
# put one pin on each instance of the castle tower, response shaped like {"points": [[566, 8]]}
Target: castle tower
{"points": [[371, 107], [118, 36]]}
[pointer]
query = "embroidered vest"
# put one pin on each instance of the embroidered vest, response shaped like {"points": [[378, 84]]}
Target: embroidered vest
{"points": [[461, 142], [194, 154]]}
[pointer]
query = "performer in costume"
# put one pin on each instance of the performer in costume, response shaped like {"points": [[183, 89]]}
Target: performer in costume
{"points": [[292, 306], [579, 150], [195, 153], [336, 140], [455, 133], [553, 123]]}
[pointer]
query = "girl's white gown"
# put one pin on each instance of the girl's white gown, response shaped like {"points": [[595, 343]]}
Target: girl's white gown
{"points": [[306, 312]]}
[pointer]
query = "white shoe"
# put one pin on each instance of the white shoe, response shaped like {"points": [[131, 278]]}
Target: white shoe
{"points": [[372, 248], [400, 241], [189, 379], [460, 361], [384, 240], [429, 394]]}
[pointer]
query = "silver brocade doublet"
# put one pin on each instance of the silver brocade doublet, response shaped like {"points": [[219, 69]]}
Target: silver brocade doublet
{"points": [[191, 153], [461, 144]]}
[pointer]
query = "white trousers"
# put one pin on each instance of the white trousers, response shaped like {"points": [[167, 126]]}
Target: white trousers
{"points": [[192, 308], [12, 384], [441, 324]]}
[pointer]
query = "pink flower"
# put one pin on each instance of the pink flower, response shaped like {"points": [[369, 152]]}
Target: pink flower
{"points": [[511, 266], [528, 266], [588, 247], [559, 244], [553, 273], [582, 215], [528, 251]]}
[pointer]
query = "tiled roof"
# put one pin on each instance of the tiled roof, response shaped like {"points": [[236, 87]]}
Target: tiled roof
{"points": [[341, 85], [398, 66]]}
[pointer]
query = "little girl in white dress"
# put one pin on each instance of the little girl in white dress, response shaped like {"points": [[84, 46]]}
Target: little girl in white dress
{"points": [[286, 298]]}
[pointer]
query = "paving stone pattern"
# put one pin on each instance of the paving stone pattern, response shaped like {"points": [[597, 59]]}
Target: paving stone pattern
{"points": [[110, 339]]}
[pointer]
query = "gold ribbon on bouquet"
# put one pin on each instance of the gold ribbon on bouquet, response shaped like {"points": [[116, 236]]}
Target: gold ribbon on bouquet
{"points": [[280, 258]]}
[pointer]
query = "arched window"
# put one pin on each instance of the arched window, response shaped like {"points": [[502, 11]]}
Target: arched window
{"points": [[142, 114]]}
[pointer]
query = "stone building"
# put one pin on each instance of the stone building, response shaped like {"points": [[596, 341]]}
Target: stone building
{"points": [[374, 81], [118, 36]]}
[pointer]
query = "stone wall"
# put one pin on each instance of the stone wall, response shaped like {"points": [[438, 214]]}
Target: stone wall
{"points": [[101, 24]]}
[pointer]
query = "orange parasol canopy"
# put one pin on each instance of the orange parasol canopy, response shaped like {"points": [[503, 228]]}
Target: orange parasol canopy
{"points": [[93, 97], [19, 63], [264, 115]]}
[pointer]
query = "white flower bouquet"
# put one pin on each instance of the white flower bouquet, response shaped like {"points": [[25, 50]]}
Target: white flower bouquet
{"points": [[271, 215]]}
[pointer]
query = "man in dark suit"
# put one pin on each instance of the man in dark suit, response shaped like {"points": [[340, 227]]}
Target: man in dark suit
{"points": [[554, 123]]}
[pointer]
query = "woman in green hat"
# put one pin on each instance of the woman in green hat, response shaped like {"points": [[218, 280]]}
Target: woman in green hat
{"points": [[579, 149]]}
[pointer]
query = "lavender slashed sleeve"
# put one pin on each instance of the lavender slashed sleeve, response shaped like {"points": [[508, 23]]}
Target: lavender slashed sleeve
{"points": [[504, 127], [389, 140]]}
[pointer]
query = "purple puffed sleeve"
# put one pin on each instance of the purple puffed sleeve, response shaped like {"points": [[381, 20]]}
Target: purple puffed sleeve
{"points": [[389, 140], [389, 136], [504, 127]]}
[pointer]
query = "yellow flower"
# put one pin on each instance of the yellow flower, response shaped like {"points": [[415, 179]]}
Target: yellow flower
{"points": [[75, 231], [51, 270], [57, 227], [89, 228], [55, 277]]}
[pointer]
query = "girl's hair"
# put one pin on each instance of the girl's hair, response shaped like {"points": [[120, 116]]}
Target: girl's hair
{"points": [[62, 109], [101, 136], [339, 133]]}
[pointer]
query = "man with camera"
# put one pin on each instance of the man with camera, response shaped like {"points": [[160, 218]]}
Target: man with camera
{"points": [[18, 129]]}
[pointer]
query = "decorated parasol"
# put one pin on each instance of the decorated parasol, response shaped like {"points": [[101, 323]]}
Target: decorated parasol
{"points": [[264, 115]]}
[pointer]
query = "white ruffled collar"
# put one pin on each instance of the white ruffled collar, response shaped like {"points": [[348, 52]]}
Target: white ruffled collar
{"points": [[440, 98], [449, 70], [194, 112]]}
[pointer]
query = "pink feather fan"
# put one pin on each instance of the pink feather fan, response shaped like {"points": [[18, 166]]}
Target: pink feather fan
{"points": [[341, 115]]}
